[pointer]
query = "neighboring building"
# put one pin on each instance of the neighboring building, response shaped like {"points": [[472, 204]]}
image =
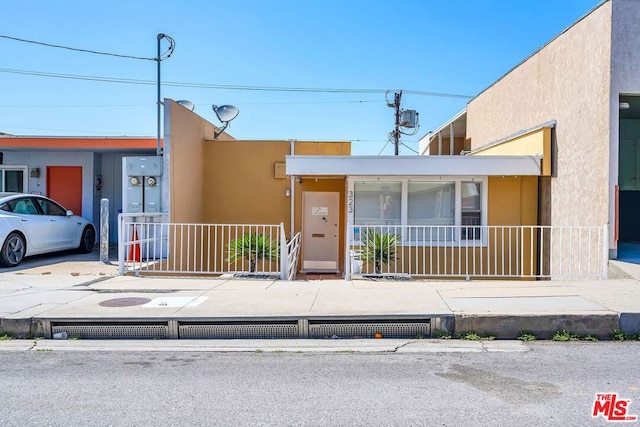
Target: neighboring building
{"points": [[584, 87], [75, 171]]}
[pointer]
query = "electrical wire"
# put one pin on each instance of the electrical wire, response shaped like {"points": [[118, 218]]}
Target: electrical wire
{"points": [[222, 87], [402, 143], [239, 104], [385, 146], [164, 56]]}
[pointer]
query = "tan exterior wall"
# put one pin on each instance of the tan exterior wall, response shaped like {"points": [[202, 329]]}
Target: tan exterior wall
{"points": [[241, 187], [568, 80], [241, 184], [184, 160], [513, 200], [303, 148]]}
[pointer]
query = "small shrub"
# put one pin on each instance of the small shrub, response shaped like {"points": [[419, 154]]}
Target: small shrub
{"points": [[623, 336], [5, 336], [527, 336], [474, 336], [589, 338], [254, 247], [378, 248], [442, 334], [564, 335]]}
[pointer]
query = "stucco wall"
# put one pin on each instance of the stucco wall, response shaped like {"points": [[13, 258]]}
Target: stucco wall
{"points": [[568, 81], [183, 162], [241, 187], [512, 200]]}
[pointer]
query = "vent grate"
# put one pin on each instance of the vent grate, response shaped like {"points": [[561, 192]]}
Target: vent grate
{"points": [[114, 332], [369, 330], [235, 330]]}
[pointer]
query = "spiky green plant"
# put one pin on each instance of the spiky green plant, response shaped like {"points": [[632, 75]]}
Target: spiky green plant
{"points": [[378, 248], [254, 247]]}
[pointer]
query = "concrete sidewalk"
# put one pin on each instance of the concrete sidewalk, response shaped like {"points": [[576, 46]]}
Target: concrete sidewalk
{"points": [[33, 299]]}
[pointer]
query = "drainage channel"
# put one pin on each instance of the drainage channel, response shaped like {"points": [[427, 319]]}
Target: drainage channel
{"points": [[249, 329]]}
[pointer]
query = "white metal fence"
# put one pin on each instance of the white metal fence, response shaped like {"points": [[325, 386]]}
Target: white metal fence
{"points": [[147, 244], [477, 251]]}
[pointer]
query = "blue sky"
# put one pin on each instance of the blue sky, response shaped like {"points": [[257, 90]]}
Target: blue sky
{"points": [[455, 47]]}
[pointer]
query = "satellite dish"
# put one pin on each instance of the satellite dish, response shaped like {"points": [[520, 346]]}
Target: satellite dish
{"points": [[187, 104], [225, 113]]}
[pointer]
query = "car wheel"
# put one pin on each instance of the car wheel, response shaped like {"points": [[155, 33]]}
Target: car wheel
{"points": [[87, 241], [13, 250]]}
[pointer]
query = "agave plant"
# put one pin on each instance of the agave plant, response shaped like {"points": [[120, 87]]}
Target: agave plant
{"points": [[379, 248], [253, 246]]}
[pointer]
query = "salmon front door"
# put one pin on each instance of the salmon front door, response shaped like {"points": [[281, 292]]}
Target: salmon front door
{"points": [[320, 231], [64, 185]]}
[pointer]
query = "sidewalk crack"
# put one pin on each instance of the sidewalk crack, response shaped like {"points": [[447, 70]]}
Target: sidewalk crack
{"points": [[403, 345]]}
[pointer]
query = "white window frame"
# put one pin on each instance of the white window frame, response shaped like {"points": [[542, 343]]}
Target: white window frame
{"points": [[25, 176], [458, 180]]}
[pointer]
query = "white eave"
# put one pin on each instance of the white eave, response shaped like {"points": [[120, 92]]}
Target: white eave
{"points": [[413, 165]]}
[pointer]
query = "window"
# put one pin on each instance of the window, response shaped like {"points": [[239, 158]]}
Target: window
{"points": [[471, 210], [50, 208], [377, 203], [432, 204], [12, 179], [23, 206], [431, 209]]}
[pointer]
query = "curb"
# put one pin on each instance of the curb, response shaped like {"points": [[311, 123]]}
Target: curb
{"points": [[501, 326], [509, 326]]}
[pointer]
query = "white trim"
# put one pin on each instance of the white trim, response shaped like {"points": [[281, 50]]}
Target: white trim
{"points": [[413, 165]]}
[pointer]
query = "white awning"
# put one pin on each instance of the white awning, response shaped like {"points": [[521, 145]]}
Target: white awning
{"points": [[413, 165]]}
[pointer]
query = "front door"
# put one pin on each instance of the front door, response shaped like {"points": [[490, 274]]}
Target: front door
{"points": [[64, 185], [320, 227]]}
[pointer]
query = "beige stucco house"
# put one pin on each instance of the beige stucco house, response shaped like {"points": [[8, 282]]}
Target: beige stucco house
{"points": [[583, 89]]}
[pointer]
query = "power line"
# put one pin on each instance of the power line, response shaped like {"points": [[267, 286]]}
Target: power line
{"points": [[406, 146], [240, 104], [164, 56], [224, 87]]}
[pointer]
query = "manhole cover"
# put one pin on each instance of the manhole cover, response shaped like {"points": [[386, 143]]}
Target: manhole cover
{"points": [[124, 302]]}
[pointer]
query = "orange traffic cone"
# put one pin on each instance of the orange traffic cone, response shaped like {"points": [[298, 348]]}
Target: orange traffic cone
{"points": [[134, 249]]}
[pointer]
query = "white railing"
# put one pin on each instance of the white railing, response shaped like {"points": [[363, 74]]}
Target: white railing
{"points": [[149, 245], [477, 251], [293, 251]]}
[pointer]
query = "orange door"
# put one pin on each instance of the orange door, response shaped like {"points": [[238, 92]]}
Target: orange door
{"points": [[64, 185]]}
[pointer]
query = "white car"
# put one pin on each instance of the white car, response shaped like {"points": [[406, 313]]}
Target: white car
{"points": [[32, 225]]}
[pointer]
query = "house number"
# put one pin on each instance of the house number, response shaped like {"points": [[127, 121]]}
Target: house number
{"points": [[350, 202]]}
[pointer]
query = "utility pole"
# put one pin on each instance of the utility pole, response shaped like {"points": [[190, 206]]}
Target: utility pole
{"points": [[403, 119], [396, 131]]}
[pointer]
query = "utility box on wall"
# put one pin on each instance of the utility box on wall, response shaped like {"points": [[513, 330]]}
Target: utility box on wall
{"points": [[141, 184]]}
